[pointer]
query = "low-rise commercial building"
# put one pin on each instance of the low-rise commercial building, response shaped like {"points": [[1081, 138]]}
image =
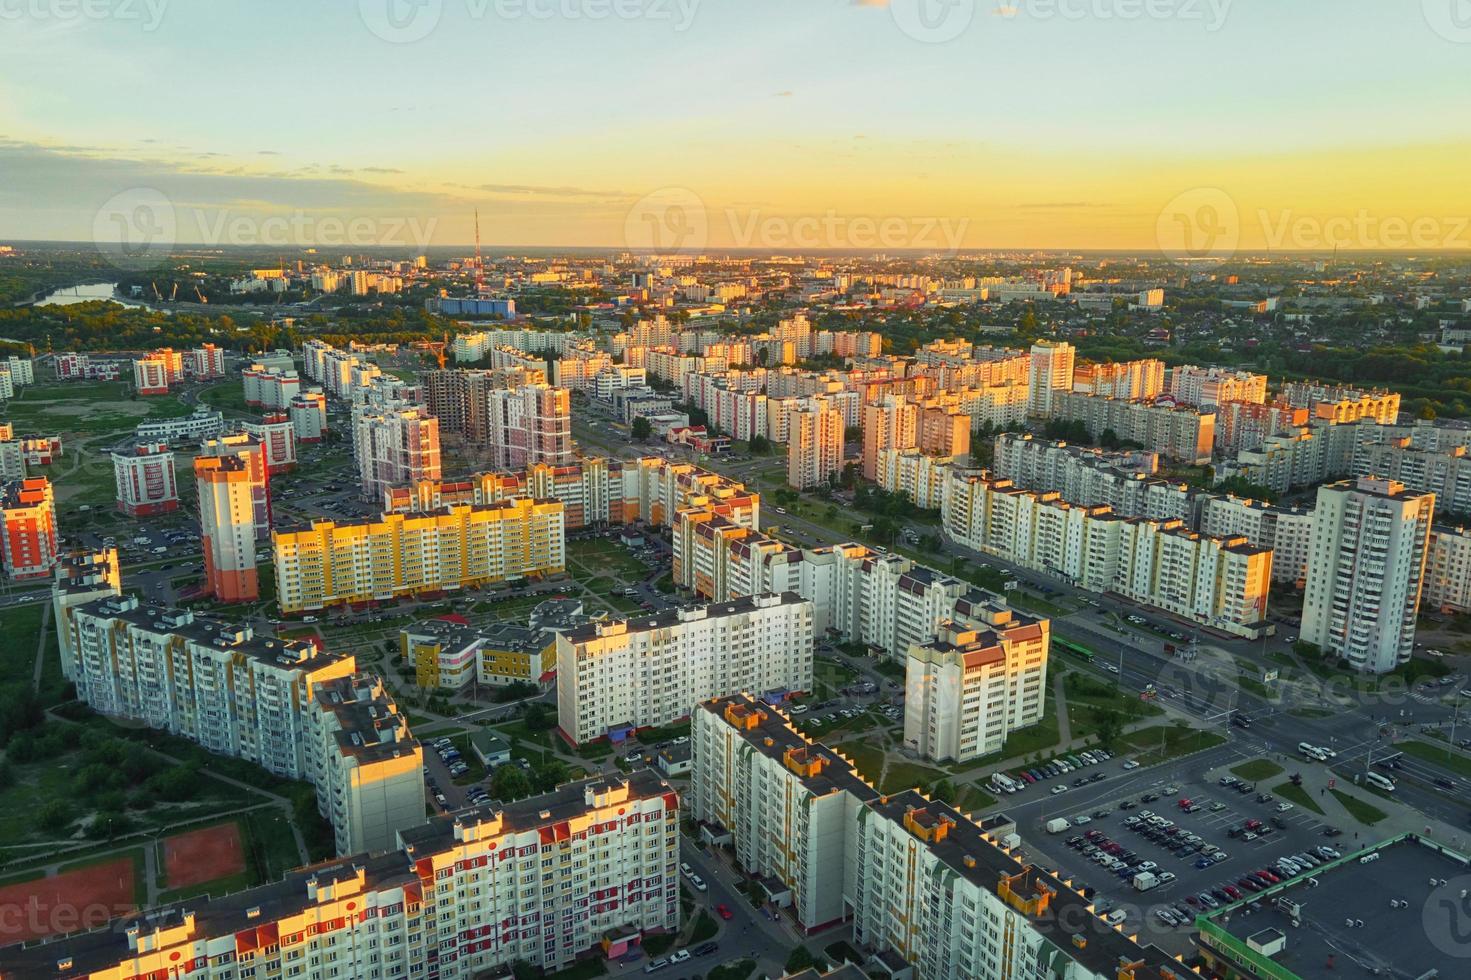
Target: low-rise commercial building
{"points": [[449, 655]]}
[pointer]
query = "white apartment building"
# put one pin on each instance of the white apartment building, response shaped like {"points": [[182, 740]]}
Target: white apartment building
{"points": [[271, 388], [1050, 374], [1129, 380], [589, 868], [1183, 433], [198, 427], [971, 687], [1445, 473], [145, 480], [1122, 481], [264, 700], [308, 415], [617, 676], [1322, 451], [1219, 582], [1215, 386], [891, 422], [923, 885], [814, 443], [1448, 570], [917, 474], [395, 447], [22, 371], [1366, 571], [1288, 532]]}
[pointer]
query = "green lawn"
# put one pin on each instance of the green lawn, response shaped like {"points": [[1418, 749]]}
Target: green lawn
{"points": [[1440, 755], [1089, 699], [907, 775], [1160, 743], [1365, 813], [1297, 796], [1257, 769], [867, 758]]}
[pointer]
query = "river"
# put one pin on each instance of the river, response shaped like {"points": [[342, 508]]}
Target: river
{"points": [[86, 293]]}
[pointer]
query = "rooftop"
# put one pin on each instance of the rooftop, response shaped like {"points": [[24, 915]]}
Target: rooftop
{"points": [[1350, 911], [692, 613], [957, 842]]}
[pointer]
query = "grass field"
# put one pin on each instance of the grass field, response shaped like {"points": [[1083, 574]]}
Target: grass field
{"points": [[1160, 743], [91, 408], [1365, 813], [1297, 796], [602, 556], [1441, 756], [1257, 769]]}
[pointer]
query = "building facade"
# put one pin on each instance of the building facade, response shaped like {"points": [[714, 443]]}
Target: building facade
{"points": [[1366, 571], [145, 480], [398, 555], [618, 676], [28, 534]]}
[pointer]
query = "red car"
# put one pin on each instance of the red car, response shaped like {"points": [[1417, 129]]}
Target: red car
{"points": [[1184, 803], [1270, 876], [1232, 890], [723, 911]]}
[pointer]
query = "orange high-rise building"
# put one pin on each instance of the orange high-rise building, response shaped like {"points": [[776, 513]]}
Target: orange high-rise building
{"points": [[227, 491], [28, 515]]}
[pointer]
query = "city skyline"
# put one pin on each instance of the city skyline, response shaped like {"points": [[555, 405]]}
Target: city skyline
{"points": [[690, 125]]}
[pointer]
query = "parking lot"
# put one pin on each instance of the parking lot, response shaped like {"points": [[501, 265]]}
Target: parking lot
{"points": [[1197, 852]]}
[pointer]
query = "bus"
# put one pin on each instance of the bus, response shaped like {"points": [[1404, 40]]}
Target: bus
{"points": [[1075, 649]]}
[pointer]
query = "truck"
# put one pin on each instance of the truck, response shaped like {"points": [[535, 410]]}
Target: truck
{"points": [[1145, 880], [1011, 841], [1057, 825]]}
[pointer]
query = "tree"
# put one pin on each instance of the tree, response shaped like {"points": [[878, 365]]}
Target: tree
{"points": [[510, 783], [800, 959], [642, 428], [1110, 726], [538, 717], [760, 445], [551, 774]]}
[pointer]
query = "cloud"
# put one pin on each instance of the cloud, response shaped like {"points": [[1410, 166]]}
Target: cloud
{"points": [[536, 190], [55, 192]]}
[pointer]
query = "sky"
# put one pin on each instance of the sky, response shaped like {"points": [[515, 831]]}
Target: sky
{"points": [[1181, 125]]}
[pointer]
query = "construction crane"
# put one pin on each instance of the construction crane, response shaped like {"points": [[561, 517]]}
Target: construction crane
{"points": [[156, 294], [201, 296], [479, 263], [175, 294]]}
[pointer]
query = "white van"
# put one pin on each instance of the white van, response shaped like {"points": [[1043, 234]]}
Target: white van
{"points": [[1380, 782]]}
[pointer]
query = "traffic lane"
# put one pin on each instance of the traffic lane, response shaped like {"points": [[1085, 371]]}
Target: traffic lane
{"points": [[748, 931]]}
